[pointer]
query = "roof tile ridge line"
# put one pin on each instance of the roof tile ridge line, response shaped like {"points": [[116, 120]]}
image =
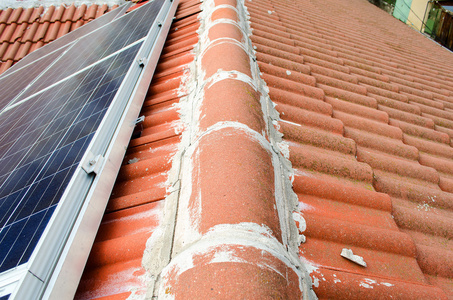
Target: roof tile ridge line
{"points": [[196, 132]]}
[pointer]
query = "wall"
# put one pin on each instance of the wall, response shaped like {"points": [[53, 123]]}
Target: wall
{"points": [[402, 9], [417, 14]]}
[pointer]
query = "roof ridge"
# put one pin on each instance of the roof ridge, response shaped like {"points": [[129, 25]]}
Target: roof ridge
{"points": [[244, 222]]}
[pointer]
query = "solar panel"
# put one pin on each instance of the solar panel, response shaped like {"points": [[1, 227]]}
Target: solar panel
{"points": [[71, 103], [97, 45], [13, 83], [70, 37], [37, 166]]}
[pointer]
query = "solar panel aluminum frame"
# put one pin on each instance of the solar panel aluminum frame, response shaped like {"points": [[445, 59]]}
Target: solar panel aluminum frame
{"points": [[55, 267]]}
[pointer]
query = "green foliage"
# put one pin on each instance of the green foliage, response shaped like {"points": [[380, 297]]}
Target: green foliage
{"points": [[391, 2]]}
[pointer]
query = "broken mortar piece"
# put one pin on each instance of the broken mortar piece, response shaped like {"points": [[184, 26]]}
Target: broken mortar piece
{"points": [[302, 239], [347, 253]]}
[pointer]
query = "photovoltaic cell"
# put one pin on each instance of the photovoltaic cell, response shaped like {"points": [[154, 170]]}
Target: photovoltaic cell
{"points": [[15, 82], [42, 141]]}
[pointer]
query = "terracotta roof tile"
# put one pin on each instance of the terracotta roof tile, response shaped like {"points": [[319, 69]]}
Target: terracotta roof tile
{"points": [[25, 16], [7, 33], [12, 50], [30, 33], [15, 15], [367, 123], [37, 12], [23, 50], [48, 14], [52, 32], [398, 117], [102, 10], [5, 65], [77, 24], [68, 14], [18, 33], [58, 14], [3, 48], [80, 12], [5, 15], [139, 191], [91, 12], [3, 26]]}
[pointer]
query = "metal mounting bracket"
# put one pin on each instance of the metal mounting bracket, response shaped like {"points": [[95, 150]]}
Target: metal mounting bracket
{"points": [[93, 163], [139, 120], [141, 61]]}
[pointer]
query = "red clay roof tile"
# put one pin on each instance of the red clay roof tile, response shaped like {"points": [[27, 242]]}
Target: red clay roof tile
{"points": [[15, 15], [91, 12], [23, 50], [25, 16], [37, 12], [5, 15], [64, 28], [139, 184], [7, 33], [409, 101], [18, 32], [68, 14], [48, 14], [11, 52], [102, 10], [5, 65], [79, 13], [52, 32], [58, 14], [369, 127]]}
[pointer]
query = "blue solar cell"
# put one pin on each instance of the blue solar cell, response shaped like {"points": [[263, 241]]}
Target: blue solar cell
{"points": [[13, 83], [8, 204], [40, 162], [17, 237]]}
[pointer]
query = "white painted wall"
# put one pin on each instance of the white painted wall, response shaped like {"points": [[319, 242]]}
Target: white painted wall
{"points": [[417, 13]]}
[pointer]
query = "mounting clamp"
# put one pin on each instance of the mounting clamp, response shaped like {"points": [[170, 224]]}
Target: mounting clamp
{"points": [[93, 163]]}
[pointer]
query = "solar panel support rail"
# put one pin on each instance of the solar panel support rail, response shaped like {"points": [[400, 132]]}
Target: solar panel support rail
{"points": [[56, 266]]}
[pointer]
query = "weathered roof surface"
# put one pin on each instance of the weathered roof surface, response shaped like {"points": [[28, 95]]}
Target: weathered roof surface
{"points": [[366, 112], [25, 30], [367, 109], [366, 117], [134, 211]]}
